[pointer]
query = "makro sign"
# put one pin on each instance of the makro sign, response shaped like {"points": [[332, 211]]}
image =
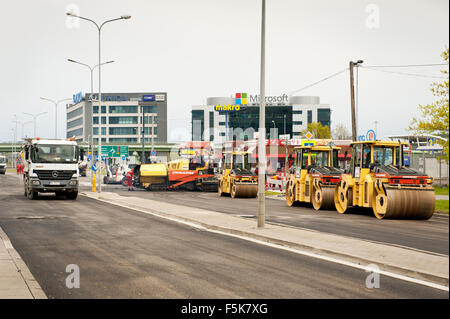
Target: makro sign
{"points": [[227, 107]]}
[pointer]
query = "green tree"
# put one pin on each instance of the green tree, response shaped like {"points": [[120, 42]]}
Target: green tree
{"points": [[318, 130], [434, 116]]}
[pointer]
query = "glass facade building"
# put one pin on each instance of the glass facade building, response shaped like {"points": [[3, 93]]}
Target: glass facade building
{"points": [[289, 117]]}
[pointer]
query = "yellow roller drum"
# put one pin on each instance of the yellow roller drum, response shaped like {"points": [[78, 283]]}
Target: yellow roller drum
{"points": [[244, 190], [323, 198], [290, 192], [343, 196], [404, 203]]}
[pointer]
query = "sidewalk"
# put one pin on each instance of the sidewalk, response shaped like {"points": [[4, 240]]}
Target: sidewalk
{"points": [[16, 281], [403, 261]]}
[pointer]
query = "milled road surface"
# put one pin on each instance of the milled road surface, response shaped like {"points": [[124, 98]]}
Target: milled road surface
{"points": [[427, 235], [122, 253]]}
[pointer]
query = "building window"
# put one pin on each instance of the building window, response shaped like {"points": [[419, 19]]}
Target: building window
{"points": [[297, 112], [122, 109], [122, 131], [198, 117], [122, 139], [150, 109], [74, 113], [122, 120], [309, 116], [74, 123], [95, 130], [95, 120], [148, 119], [221, 123], [222, 134], [297, 123], [323, 116], [95, 109], [96, 140], [148, 131], [78, 132]]}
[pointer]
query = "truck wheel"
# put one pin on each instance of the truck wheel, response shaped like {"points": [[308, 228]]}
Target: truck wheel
{"points": [[32, 194], [72, 195]]}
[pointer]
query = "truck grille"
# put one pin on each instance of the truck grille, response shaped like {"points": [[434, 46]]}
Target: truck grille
{"points": [[54, 174]]}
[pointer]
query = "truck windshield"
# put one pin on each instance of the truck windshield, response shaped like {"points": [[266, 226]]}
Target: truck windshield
{"points": [[54, 154], [2, 160]]}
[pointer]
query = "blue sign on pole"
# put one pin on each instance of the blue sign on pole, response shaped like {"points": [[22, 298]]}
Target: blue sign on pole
{"points": [[94, 167]]}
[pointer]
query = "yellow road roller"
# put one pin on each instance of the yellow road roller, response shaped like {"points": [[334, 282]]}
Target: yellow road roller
{"points": [[314, 176], [238, 177], [378, 179]]}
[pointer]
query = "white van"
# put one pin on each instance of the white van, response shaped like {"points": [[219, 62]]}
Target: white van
{"points": [[2, 164]]}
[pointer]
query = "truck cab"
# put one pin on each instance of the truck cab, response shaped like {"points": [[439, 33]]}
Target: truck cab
{"points": [[2, 164], [50, 166]]}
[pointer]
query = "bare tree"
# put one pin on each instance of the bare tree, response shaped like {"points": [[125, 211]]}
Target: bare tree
{"points": [[340, 132]]}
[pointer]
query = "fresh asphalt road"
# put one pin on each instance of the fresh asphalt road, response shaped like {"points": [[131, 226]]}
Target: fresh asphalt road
{"points": [[427, 235], [123, 253]]}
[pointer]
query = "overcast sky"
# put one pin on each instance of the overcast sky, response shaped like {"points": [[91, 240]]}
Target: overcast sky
{"points": [[201, 48]]}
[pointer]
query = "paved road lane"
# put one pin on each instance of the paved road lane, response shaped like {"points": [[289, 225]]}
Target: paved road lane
{"points": [[431, 235]]}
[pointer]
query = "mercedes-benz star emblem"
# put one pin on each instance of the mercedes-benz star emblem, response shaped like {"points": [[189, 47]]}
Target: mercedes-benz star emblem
{"points": [[55, 174]]}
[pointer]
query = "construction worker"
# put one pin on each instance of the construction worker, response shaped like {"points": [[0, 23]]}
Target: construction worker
{"points": [[130, 180]]}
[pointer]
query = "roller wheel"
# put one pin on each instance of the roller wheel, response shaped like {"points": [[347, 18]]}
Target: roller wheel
{"points": [[404, 204], [323, 198], [290, 193], [342, 197], [233, 190], [219, 189]]}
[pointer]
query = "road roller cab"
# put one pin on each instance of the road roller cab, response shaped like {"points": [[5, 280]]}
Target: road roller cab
{"points": [[238, 177], [379, 180], [314, 176]]}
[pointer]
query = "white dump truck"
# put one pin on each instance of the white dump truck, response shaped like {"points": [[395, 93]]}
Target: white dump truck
{"points": [[50, 166], [2, 164]]}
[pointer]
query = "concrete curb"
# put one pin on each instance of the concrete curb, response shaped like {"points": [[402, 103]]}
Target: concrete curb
{"points": [[419, 275], [32, 285]]}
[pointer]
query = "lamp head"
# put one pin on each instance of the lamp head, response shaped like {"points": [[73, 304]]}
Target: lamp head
{"points": [[126, 16]]}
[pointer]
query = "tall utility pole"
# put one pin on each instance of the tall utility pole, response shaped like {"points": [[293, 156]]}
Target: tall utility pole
{"points": [[153, 134], [352, 97], [262, 127], [143, 135]]}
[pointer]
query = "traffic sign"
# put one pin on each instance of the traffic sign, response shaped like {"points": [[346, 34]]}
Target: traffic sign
{"points": [[114, 151], [153, 153], [94, 168]]}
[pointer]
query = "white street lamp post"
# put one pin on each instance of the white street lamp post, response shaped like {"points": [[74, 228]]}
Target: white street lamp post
{"points": [[56, 111], [35, 116], [99, 28]]}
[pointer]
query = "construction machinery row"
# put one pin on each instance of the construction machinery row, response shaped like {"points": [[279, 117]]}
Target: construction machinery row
{"points": [[376, 179]]}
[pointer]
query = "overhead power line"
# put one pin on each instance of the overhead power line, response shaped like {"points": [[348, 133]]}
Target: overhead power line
{"points": [[403, 73], [406, 65], [320, 81]]}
